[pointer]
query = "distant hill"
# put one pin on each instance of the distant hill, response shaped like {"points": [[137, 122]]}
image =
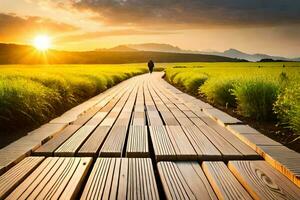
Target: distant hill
{"points": [[153, 47], [231, 53], [157, 47], [121, 48], [23, 54]]}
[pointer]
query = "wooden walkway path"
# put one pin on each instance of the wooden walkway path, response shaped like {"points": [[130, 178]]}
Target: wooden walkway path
{"points": [[145, 139]]}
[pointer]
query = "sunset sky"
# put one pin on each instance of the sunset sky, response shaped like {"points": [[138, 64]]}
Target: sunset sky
{"points": [[253, 26]]}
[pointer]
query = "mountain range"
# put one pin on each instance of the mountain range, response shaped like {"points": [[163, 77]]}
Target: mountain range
{"points": [[133, 53], [25, 54], [231, 53]]}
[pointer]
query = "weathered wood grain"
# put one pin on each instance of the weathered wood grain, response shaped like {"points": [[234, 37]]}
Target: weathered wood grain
{"points": [[121, 178], [184, 180], [13, 177], [54, 178], [262, 181], [225, 185], [137, 143]]}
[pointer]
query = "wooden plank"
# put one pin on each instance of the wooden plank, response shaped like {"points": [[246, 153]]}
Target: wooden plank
{"points": [[111, 178], [227, 150], [256, 140], [139, 119], [251, 137], [15, 152], [114, 143], [189, 113], [137, 143], [182, 107], [163, 105], [97, 118], [163, 148], [183, 148], [108, 121], [46, 131], [238, 149], [262, 181], [184, 180], [221, 117], [69, 147], [154, 118], [54, 178], [92, 146], [19, 149], [248, 152], [49, 147], [204, 148], [189, 101], [225, 185], [13, 177], [122, 187], [184, 121], [178, 113], [86, 116], [73, 114], [284, 160], [241, 129], [114, 112], [141, 180], [171, 121], [96, 183], [122, 178]]}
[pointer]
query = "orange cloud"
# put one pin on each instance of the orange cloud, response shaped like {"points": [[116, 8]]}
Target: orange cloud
{"points": [[75, 37], [16, 28]]}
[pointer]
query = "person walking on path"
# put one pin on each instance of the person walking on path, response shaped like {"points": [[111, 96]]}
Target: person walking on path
{"points": [[150, 66]]}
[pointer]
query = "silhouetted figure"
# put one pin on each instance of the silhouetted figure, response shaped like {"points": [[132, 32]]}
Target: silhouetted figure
{"points": [[150, 66]]}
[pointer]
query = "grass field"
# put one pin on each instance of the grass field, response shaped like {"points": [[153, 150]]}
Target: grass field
{"points": [[262, 91], [30, 95]]}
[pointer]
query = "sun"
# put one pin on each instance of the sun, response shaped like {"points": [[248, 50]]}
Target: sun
{"points": [[42, 42]]}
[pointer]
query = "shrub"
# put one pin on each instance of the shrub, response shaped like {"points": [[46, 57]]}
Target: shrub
{"points": [[193, 82], [188, 80], [287, 107], [255, 98], [25, 102], [219, 91], [170, 75]]}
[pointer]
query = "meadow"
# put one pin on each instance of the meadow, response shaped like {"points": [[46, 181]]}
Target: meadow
{"points": [[259, 91], [31, 95]]}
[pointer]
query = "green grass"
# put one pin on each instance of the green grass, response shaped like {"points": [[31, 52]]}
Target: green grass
{"points": [[32, 95], [219, 91], [263, 91], [256, 97]]}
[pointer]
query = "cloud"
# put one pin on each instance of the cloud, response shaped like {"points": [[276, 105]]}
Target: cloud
{"points": [[75, 37], [191, 13], [13, 26]]}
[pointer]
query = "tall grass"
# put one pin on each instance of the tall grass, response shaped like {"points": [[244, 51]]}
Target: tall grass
{"points": [[219, 91], [255, 98], [287, 106], [188, 80], [268, 92], [32, 95]]}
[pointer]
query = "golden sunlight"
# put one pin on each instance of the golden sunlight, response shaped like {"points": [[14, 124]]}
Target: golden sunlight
{"points": [[42, 42]]}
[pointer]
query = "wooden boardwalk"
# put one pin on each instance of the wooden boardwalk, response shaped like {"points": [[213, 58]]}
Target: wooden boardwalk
{"points": [[145, 139]]}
